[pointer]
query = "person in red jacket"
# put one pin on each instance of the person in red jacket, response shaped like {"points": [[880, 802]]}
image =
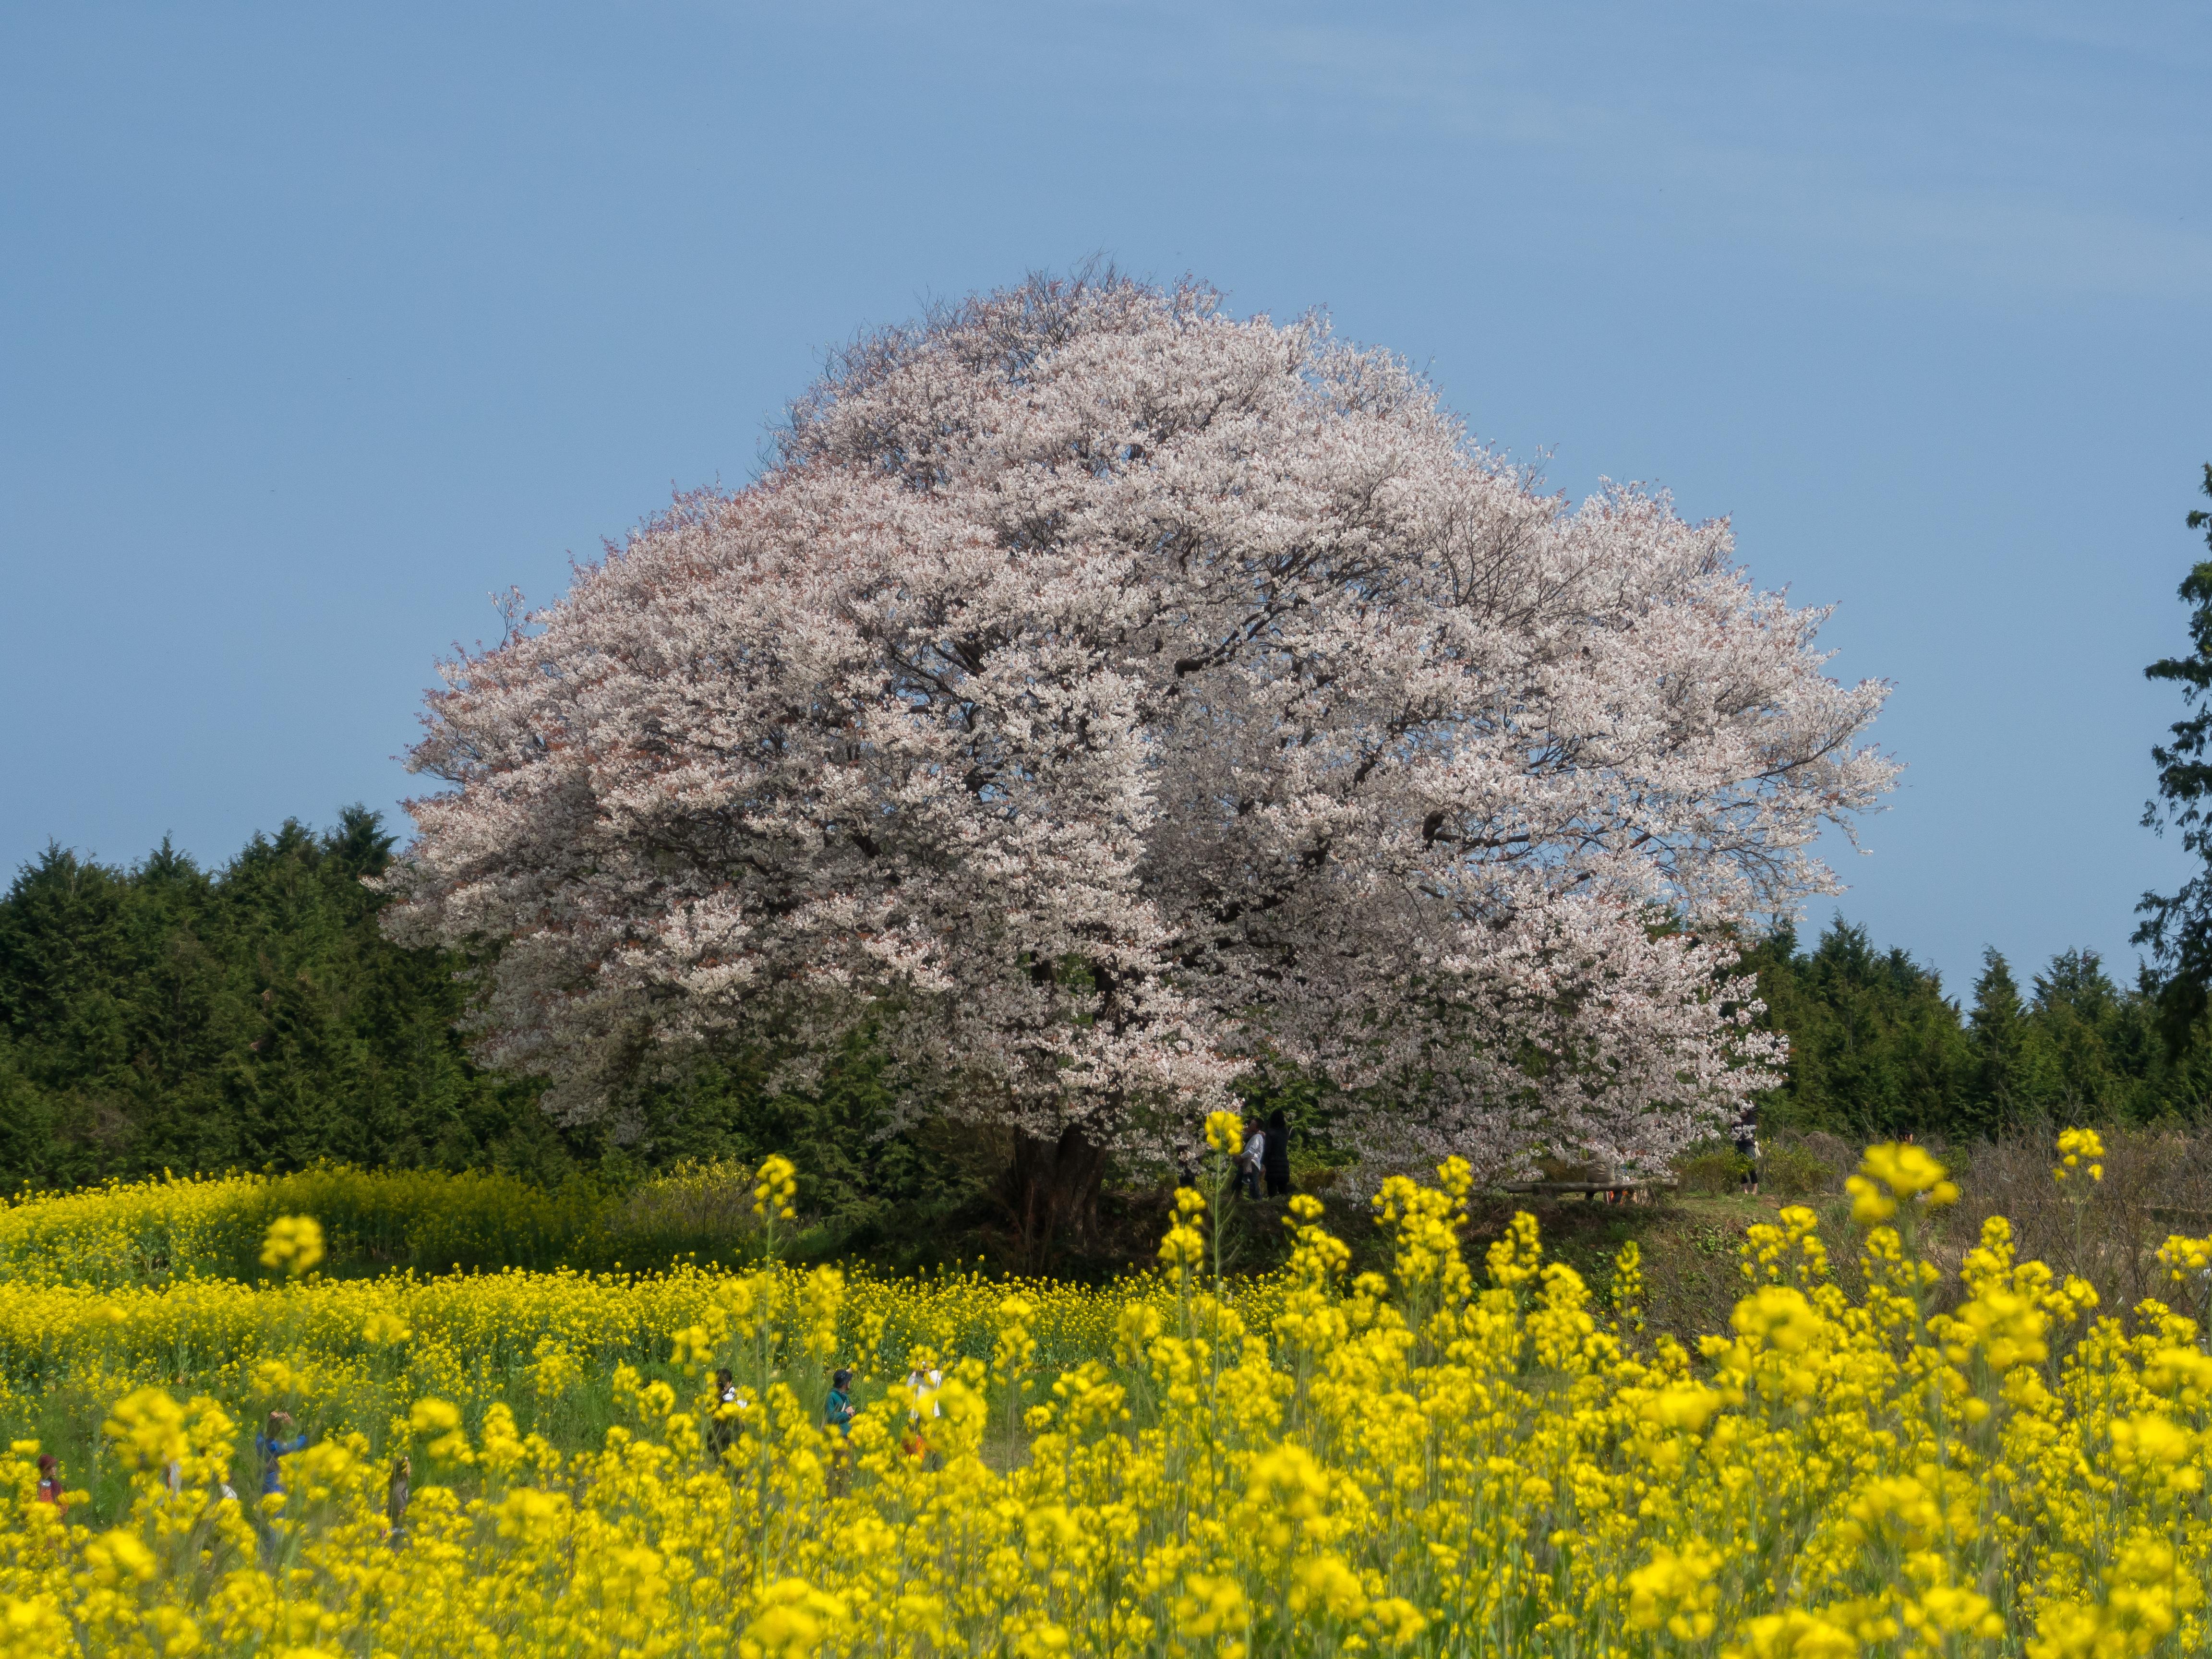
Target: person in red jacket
{"points": [[50, 1483]]}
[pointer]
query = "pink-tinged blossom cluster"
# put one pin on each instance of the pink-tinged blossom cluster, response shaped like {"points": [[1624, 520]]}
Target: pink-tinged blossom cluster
{"points": [[1100, 691]]}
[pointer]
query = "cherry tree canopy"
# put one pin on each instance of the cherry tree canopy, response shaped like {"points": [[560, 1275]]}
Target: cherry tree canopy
{"points": [[1097, 691]]}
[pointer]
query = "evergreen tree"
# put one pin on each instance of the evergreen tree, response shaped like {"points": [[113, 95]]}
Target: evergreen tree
{"points": [[2077, 1007], [2177, 927], [2004, 1086], [1876, 1047]]}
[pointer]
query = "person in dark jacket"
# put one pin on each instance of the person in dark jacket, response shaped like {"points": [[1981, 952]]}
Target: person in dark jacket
{"points": [[1276, 1160], [1746, 1136], [730, 1408]]}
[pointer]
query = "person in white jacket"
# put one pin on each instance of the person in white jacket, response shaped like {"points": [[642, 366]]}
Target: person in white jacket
{"points": [[1249, 1162]]}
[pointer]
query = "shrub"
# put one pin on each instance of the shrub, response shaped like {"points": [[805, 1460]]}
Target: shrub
{"points": [[1788, 1170], [1712, 1169]]}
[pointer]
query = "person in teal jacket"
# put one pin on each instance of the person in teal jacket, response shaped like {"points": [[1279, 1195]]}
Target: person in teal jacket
{"points": [[837, 1412]]}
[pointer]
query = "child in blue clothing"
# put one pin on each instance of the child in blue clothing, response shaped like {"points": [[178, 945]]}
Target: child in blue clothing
{"points": [[273, 1447]]}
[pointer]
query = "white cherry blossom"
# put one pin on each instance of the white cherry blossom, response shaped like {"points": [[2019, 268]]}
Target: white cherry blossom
{"points": [[1098, 691]]}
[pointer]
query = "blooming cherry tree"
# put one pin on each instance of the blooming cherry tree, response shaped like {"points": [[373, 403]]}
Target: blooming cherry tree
{"points": [[1098, 691]]}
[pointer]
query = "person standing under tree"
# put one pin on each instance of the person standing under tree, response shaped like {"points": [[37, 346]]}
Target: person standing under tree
{"points": [[1747, 1143], [1276, 1161], [1250, 1160]]}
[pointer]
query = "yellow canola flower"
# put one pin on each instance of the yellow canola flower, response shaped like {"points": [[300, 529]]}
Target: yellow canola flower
{"points": [[1470, 1451], [118, 1557], [2186, 1259], [1675, 1588], [1793, 1635], [383, 1327], [2077, 1147], [2186, 1373], [295, 1244], [1946, 1610], [794, 1620], [1689, 1407], [1396, 1620], [1891, 1173], [1325, 1586], [1211, 1609], [34, 1627], [2151, 1442], [147, 1428], [2004, 1326], [777, 1187], [2149, 1592], [437, 1423]]}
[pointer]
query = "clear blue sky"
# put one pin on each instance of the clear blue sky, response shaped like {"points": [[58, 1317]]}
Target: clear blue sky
{"points": [[319, 324]]}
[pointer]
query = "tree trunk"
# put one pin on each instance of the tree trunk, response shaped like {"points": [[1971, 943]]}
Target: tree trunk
{"points": [[1052, 1191]]}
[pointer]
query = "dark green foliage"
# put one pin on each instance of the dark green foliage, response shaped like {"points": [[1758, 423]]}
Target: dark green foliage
{"points": [[255, 1016], [1877, 1050], [1789, 1169], [1876, 1047], [168, 1016], [2005, 1084], [872, 1181]]}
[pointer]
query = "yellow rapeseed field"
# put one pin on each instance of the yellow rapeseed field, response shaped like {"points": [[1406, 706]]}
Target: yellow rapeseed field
{"points": [[1454, 1458], [151, 1232]]}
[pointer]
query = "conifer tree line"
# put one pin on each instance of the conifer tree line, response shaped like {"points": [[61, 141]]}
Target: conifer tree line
{"points": [[166, 1016], [1880, 1049]]}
